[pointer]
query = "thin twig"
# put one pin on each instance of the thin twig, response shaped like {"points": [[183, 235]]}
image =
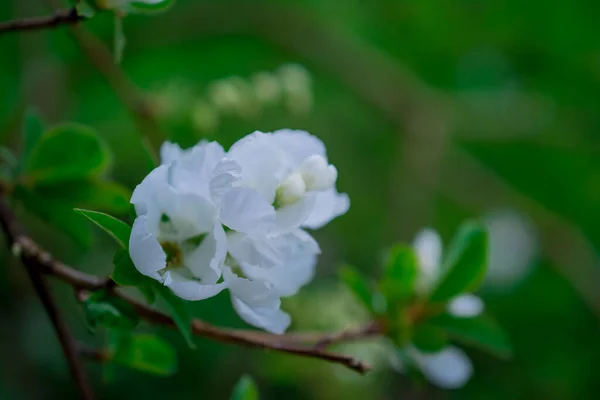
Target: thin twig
{"points": [[35, 257], [92, 353], [14, 231], [60, 17]]}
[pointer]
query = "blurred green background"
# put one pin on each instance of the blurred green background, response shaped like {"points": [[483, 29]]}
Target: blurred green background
{"points": [[432, 111]]}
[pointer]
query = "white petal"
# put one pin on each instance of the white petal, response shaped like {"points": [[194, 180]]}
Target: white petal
{"points": [[256, 304], [145, 251], [194, 170], [225, 174], [450, 368], [245, 210], [263, 251], [299, 144], [428, 246], [205, 261], [466, 306], [187, 288], [190, 215], [263, 163], [328, 205], [153, 191], [293, 215], [170, 152]]}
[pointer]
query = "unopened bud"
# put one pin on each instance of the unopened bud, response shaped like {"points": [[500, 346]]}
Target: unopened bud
{"points": [[291, 190], [317, 173]]}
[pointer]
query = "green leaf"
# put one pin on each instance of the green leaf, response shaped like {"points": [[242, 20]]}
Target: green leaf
{"points": [[141, 6], [117, 229], [143, 352], [401, 268], [32, 132], [357, 284], [120, 39], [92, 194], [245, 389], [178, 310], [125, 273], [67, 152], [482, 332], [430, 338], [56, 213], [85, 9], [109, 311], [465, 263]]}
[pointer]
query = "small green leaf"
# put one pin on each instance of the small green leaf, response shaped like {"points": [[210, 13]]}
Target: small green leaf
{"points": [[33, 130], [143, 352], [245, 389], [125, 273], [91, 194], [109, 311], [465, 263], [178, 310], [397, 284], [85, 9], [357, 284], [141, 6], [430, 338], [120, 39], [67, 152], [56, 213], [117, 229], [482, 332]]}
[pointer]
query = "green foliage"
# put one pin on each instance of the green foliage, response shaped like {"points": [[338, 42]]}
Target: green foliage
{"points": [[430, 338], [119, 39], [481, 331], [245, 389], [178, 310], [141, 6], [93, 193], [104, 309], [357, 284], [143, 352], [397, 283], [33, 128], [125, 274], [464, 264], [117, 229], [65, 153]]}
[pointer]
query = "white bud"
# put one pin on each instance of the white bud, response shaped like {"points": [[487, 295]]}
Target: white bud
{"points": [[317, 173], [291, 190]]}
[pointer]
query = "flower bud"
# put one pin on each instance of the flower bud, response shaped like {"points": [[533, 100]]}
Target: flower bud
{"points": [[291, 190], [317, 173]]}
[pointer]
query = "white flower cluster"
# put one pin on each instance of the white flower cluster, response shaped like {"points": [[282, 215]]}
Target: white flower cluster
{"points": [[449, 368], [209, 220]]}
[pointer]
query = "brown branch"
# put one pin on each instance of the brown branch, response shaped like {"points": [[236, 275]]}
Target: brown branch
{"points": [[60, 17], [14, 233], [91, 353], [35, 257]]}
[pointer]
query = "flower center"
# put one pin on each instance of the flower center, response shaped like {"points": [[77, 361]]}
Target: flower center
{"points": [[174, 254]]}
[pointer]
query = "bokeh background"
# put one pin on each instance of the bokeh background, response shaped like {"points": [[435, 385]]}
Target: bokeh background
{"points": [[432, 111]]}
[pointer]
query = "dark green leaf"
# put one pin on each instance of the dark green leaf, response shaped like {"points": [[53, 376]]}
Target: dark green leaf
{"points": [[465, 263], [32, 132], [117, 229], [482, 332], [119, 38], [143, 352], [430, 338], [397, 284], [112, 312], [357, 284], [245, 389], [67, 152], [178, 310], [125, 273], [91, 194], [56, 213]]}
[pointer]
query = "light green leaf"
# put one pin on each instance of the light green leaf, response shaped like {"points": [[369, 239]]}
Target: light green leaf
{"points": [[85, 9], [56, 213], [178, 310], [109, 311], [465, 263], [32, 132], [143, 352], [119, 38], [117, 229], [245, 389], [92, 194], [398, 281], [430, 338], [357, 284], [482, 332], [67, 152]]}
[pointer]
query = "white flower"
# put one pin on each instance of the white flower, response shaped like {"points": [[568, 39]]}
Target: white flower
{"points": [[177, 237], [283, 178]]}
